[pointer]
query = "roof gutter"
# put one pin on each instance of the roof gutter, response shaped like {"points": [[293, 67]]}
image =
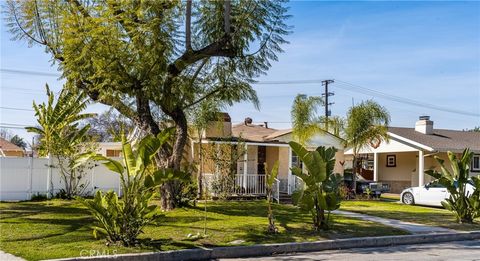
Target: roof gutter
{"points": [[411, 142]]}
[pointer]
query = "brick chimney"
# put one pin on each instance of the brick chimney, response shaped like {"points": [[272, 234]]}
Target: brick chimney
{"points": [[220, 128], [424, 125]]}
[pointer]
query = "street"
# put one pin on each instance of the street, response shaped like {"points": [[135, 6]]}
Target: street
{"points": [[459, 250]]}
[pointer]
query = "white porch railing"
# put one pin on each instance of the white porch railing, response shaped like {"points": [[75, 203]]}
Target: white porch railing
{"points": [[276, 190], [297, 184], [250, 184]]}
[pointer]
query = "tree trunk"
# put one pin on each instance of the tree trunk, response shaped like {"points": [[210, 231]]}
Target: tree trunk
{"points": [[200, 168], [174, 161]]}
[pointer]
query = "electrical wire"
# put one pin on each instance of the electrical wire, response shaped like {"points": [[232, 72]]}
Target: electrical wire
{"points": [[338, 84]]}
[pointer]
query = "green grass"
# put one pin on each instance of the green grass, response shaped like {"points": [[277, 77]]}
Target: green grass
{"points": [[56, 229], [418, 214]]}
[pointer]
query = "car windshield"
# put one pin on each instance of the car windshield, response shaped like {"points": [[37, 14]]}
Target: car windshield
{"points": [[435, 184]]}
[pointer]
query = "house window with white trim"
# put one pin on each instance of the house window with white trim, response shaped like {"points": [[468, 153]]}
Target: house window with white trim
{"points": [[475, 163]]}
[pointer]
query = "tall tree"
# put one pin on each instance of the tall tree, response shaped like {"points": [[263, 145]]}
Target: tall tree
{"points": [[18, 141], [367, 124], [109, 126], [171, 55], [305, 121]]}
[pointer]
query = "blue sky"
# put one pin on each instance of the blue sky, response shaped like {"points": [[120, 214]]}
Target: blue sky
{"points": [[425, 51]]}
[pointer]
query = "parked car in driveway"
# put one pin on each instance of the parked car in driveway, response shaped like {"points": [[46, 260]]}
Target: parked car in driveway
{"points": [[432, 194]]}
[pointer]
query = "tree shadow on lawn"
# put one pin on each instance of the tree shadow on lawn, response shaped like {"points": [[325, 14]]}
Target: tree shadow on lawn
{"points": [[258, 208], [65, 226], [23, 209]]}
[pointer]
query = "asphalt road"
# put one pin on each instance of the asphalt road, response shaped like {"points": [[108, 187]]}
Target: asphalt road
{"points": [[459, 250]]}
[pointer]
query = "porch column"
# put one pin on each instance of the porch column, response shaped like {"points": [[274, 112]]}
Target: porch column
{"points": [[421, 168], [375, 166], [245, 166], [289, 177]]}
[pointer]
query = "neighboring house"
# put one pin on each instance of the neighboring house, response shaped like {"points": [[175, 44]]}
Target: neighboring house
{"points": [[8, 149], [402, 160], [110, 149], [263, 145]]}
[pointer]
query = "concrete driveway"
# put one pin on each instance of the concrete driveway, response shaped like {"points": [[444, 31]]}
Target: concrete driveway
{"points": [[459, 250]]}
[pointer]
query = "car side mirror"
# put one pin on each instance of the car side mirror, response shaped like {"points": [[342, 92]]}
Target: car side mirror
{"points": [[427, 186]]}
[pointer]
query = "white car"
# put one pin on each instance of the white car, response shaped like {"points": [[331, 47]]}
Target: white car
{"points": [[432, 194]]}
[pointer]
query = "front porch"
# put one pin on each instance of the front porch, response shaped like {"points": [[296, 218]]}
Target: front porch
{"points": [[398, 169], [251, 167]]}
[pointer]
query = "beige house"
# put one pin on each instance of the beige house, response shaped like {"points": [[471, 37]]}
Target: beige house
{"points": [[402, 160], [263, 145]]}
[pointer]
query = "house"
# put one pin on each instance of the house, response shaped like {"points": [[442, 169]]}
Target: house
{"points": [[8, 149], [110, 149], [263, 146], [402, 160]]}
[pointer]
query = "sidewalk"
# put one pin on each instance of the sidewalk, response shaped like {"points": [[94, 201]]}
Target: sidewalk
{"points": [[413, 228]]}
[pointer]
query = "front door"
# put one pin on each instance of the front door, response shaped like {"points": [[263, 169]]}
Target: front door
{"points": [[261, 159]]}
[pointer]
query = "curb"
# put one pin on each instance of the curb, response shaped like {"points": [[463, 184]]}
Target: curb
{"points": [[284, 248]]}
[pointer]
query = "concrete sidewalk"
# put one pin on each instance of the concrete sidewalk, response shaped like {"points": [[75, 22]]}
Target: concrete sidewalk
{"points": [[413, 228]]}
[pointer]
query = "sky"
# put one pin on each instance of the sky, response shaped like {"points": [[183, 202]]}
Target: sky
{"points": [[428, 52]]}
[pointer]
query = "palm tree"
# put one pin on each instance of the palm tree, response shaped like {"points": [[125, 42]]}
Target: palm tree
{"points": [[56, 119], [305, 122], [366, 123]]}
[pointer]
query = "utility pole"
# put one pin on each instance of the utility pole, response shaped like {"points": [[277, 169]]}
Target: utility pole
{"points": [[326, 94]]}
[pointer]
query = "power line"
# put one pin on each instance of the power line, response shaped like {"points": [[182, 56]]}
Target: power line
{"points": [[13, 124], [357, 88], [353, 87], [340, 84], [23, 72], [15, 109]]}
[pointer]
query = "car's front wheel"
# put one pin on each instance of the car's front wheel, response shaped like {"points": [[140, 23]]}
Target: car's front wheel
{"points": [[408, 199]]}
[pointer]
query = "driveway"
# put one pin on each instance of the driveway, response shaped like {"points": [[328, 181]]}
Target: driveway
{"points": [[459, 250]]}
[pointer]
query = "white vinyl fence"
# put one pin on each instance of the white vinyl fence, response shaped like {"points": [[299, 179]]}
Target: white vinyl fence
{"points": [[20, 178]]}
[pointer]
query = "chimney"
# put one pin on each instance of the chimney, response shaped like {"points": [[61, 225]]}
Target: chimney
{"points": [[424, 125], [266, 124], [222, 127]]}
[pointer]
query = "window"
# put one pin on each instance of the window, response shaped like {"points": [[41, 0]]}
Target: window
{"points": [[476, 163], [113, 153], [391, 161], [296, 162]]}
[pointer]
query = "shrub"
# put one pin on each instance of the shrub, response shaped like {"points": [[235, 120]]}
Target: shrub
{"points": [[121, 221], [39, 197], [462, 201], [322, 191]]}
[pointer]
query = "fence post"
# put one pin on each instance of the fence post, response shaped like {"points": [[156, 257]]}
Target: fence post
{"points": [[49, 174], [30, 173]]}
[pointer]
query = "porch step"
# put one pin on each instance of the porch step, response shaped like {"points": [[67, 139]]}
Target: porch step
{"points": [[285, 198]]}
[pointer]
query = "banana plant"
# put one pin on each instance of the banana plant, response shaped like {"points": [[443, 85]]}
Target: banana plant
{"points": [[270, 180], [122, 220], [321, 191], [462, 201]]}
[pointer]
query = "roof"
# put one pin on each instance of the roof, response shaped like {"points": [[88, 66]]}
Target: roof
{"points": [[252, 132], [6, 145], [278, 133], [441, 140]]}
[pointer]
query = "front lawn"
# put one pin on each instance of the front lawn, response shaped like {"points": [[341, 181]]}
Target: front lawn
{"points": [[418, 214], [56, 229]]}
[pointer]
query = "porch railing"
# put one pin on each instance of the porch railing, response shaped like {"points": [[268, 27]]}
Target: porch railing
{"points": [[250, 184], [276, 190]]}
